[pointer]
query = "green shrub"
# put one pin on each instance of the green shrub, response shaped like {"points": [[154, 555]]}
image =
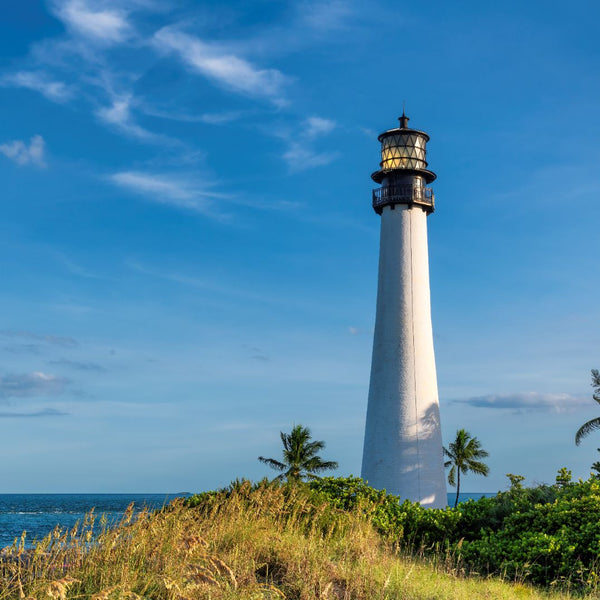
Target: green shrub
{"points": [[403, 521], [548, 535], [542, 540]]}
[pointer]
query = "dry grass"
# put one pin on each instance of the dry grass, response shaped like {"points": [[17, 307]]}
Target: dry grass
{"points": [[266, 544]]}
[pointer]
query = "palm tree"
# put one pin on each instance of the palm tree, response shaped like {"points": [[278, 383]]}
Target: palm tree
{"points": [[300, 458], [592, 424], [464, 453]]}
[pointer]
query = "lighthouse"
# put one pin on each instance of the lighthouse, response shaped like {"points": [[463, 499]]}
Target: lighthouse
{"points": [[403, 443]]}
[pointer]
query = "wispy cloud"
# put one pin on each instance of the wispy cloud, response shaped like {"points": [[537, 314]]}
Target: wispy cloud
{"points": [[324, 15], [257, 353], [77, 365], [23, 154], [300, 154], [317, 126], [207, 285], [118, 114], [185, 191], [31, 385], [57, 91], [176, 191], [22, 348], [55, 340], [175, 113], [285, 206], [220, 118], [527, 402], [83, 57], [46, 412], [299, 157], [95, 21], [221, 66], [72, 266]]}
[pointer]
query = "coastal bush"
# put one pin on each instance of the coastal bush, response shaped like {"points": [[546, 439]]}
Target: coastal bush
{"points": [[402, 521], [547, 535]]}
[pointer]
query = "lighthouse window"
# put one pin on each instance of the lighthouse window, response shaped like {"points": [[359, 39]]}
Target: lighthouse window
{"points": [[403, 151]]}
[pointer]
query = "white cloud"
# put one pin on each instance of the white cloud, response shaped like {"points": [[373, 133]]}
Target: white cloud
{"points": [[57, 91], [23, 154], [225, 68], [102, 23], [220, 118], [528, 402], [31, 384], [189, 193], [118, 115], [176, 191], [316, 126], [299, 158], [211, 118], [300, 154]]}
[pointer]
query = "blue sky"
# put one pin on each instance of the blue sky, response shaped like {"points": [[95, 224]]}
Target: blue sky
{"points": [[189, 255]]}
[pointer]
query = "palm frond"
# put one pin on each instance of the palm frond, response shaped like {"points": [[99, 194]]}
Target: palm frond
{"points": [[586, 429], [452, 477], [314, 447], [274, 464], [596, 385], [323, 465], [477, 467]]}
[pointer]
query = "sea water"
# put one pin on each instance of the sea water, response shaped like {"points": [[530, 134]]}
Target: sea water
{"points": [[38, 514], [468, 496]]}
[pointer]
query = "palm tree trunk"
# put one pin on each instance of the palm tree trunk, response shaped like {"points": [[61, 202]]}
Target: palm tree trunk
{"points": [[457, 488]]}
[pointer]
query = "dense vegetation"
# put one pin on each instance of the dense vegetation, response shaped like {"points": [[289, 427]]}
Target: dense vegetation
{"points": [[330, 539], [268, 541], [547, 535]]}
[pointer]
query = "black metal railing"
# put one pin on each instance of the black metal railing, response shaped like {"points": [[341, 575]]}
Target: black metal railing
{"points": [[403, 194]]}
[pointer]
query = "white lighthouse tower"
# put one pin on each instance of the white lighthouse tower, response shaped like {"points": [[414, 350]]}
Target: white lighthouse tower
{"points": [[403, 443]]}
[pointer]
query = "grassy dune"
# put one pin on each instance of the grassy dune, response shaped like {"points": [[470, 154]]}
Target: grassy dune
{"points": [[268, 543]]}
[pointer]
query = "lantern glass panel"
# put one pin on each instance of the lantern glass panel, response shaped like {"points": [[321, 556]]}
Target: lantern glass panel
{"points": [[403, 151]]}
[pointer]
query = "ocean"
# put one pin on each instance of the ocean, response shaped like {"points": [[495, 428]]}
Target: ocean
{"points": [[38, 514], [468, 496]]}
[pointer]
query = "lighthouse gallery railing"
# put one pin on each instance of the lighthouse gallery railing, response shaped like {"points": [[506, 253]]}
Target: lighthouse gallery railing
{"points": [[403, 194]]}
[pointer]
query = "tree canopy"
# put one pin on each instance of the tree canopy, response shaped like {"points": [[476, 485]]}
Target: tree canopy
{"points": [[300, 456], [465, 454]]}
